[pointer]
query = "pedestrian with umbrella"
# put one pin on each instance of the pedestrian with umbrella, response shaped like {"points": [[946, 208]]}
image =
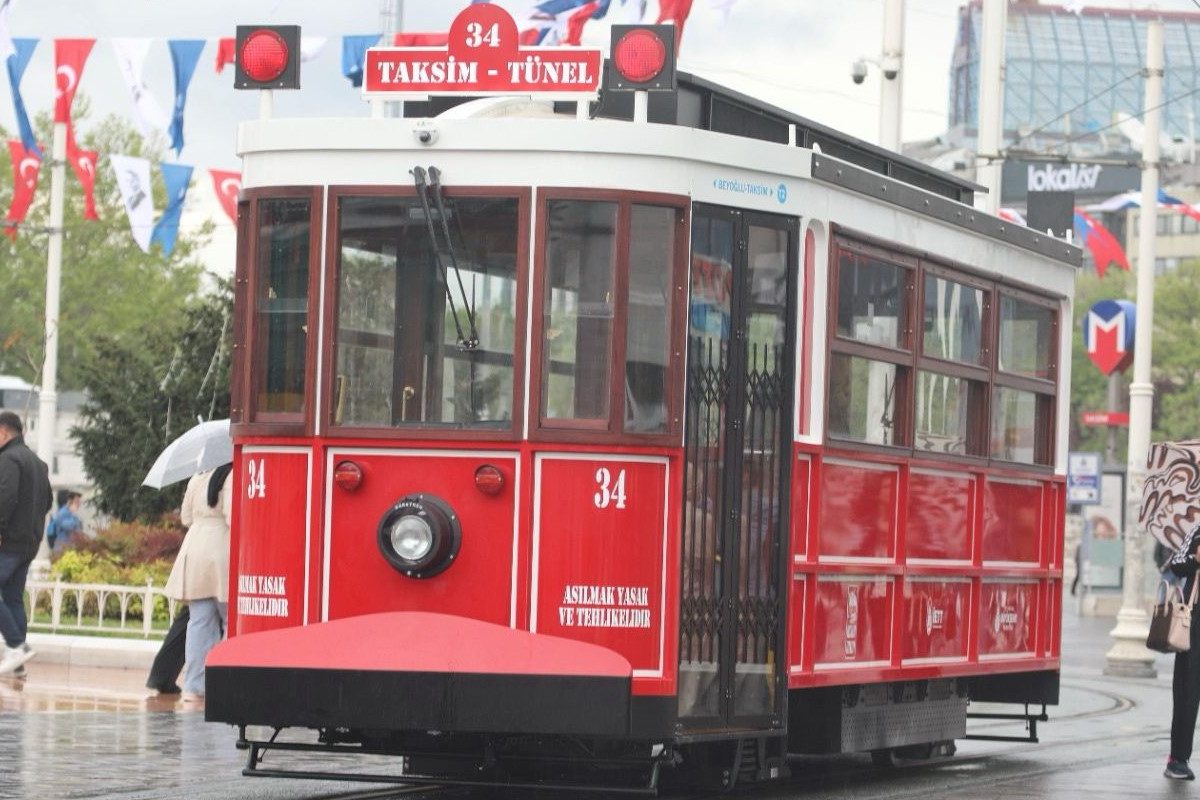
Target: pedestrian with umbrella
{"points": [[1170, 512], [200, 574]]}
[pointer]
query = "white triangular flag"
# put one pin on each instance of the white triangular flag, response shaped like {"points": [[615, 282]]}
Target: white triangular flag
{"points": [[131, 58], [133, 180], [311, 46], [724, 6], [6, 43]]}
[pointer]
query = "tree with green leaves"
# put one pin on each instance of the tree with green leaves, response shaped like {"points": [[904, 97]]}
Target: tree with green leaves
{"points": [[110, 288], [143, 390]]}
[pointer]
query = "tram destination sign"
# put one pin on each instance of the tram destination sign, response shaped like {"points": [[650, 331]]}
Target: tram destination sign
{"points": [[483, 56]]}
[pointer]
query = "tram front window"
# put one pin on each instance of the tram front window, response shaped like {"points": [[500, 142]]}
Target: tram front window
{"points": [[399, 351], [282, 324]]}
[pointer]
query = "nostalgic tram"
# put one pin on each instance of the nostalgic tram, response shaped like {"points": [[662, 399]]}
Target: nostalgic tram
{"points": [[684, 434]]}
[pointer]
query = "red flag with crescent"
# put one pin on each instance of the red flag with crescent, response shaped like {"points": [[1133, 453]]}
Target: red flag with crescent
{"points": [[226, 52], [69, 58], [227, 185], [83, 162], [25, 164]]}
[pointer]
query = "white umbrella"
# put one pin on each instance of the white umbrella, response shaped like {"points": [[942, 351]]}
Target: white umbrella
{"points": [[204, 447]]}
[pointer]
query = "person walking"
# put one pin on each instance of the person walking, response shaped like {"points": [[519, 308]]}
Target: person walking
{"points": [[200, 574], [1185, 682], [25, 498], [65, 522]]}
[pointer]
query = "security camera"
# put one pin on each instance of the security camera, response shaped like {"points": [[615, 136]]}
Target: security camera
{"points": [[890, 73], [425, 136], [858, 71]]}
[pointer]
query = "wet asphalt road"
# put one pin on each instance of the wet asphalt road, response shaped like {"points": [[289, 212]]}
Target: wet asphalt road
{"points": [[62, 740]]}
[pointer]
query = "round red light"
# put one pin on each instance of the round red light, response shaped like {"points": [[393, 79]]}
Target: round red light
{"points": [[639, 55], [347, 475], [264, 56], [489, 480]]}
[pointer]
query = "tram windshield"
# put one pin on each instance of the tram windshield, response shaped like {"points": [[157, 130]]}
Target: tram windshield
{"points": [[399, 358]]}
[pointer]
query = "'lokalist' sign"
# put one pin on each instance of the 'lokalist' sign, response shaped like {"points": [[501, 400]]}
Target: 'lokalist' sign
{"points": [[483, 57]]}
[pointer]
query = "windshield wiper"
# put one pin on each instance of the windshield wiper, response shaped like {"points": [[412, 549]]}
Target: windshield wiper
{"points": [[468, 339]]}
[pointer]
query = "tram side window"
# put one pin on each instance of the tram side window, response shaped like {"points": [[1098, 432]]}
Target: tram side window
{"points": [[282, 304], [1023, 401], [975, 379], [606, 313], [578, 309], [867, 376], [648, 332], [400, 357]]}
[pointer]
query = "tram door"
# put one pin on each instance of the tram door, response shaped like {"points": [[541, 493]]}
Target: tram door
{"points": [[737, 429]]}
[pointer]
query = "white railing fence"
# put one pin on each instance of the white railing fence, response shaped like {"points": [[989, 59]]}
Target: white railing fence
{"points": [[86, 607]]}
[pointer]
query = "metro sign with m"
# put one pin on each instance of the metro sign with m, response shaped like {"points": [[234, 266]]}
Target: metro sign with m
{"points": [[1108, 329]]}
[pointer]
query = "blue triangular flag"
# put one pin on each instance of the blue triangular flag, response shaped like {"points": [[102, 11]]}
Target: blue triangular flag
{"points": [[184, 55], [177, 177], [17, 62], [354, 52]]}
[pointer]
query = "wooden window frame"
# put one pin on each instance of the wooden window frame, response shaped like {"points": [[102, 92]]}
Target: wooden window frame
{"points": [[912, 360], [611, 430], [249, 364], [426, 431]]}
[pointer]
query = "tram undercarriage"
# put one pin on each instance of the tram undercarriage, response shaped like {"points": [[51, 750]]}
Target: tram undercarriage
{"points": [[520, 727]]}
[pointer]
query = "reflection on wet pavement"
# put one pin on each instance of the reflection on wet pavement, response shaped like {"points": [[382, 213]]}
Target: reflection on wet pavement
{"points": [[56, 687]]}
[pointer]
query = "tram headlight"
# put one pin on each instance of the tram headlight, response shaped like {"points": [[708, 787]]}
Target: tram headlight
{"points": [[420, 535], [412, 538]]}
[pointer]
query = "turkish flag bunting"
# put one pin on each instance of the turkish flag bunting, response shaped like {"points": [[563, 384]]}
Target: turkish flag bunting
{"points": [[69, 58], [577, 20], [675, 11], [25, 164], [227, 185], [226, 52], [83, 162]]}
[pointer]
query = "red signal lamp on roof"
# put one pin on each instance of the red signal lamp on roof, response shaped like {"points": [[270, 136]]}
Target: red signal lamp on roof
{"points": [[642, 58], [268, 57]]}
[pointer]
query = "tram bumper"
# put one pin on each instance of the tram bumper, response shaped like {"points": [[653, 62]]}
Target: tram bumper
{"points": [[418, 671]]}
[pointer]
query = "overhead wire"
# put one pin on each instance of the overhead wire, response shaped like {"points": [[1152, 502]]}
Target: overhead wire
{"points": [[1081, 104]]}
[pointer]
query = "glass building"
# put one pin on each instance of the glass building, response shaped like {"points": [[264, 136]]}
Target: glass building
{"points": [[1088, 64]]}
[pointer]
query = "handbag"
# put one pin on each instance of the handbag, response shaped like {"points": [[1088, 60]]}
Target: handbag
{"points": [[1171, 622]]}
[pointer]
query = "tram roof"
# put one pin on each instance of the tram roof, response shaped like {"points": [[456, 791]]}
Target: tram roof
{"points": [[700, 103]]}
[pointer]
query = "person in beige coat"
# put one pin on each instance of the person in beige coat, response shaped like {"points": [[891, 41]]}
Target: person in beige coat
{"points": [[200, 575]]}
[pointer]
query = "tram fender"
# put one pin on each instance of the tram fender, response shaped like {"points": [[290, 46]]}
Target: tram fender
{"points": [[418, 671]]}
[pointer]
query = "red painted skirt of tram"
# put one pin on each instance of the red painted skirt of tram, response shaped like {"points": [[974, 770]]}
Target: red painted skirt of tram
{"points": [[898, 569], [906, 569]]}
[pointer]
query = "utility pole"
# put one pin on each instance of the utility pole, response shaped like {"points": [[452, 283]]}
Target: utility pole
{"points": [[48, 393], [891, 64], [991, 102], [1129, 656], [391, 22]]}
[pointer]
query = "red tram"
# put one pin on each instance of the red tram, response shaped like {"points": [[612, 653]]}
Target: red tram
{"points": [[574, 447]]}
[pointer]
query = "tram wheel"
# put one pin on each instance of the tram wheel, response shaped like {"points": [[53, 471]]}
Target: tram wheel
{"points": [[884, 758]]}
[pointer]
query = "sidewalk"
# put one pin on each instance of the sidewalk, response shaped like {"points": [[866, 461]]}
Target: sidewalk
{"points": [[94, 651]]}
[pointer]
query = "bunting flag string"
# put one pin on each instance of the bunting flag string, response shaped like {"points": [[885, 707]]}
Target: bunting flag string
{"points": [[7, 48], [83, 164], [227, 185], [26, 164], [70, 55], [185, 53], [16, 63], [1103, 246], [177, 177], [133, 182], [354, 51], [131, 59]]}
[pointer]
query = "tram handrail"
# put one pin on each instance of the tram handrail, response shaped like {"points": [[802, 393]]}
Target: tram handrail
{"points": [[57, 590]]}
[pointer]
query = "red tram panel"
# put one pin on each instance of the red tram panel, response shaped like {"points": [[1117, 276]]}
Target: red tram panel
{"points": [[600, 556], [482, 583], [274, 524]]}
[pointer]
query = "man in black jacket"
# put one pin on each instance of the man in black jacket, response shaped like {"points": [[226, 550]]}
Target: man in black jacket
{"points": [[24, 502]]}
